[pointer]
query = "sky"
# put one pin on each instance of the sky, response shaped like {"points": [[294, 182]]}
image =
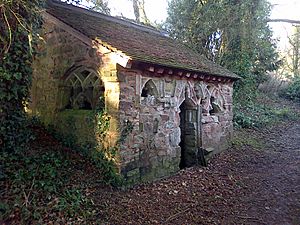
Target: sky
{"points": [[156, 11], [284, 9]]}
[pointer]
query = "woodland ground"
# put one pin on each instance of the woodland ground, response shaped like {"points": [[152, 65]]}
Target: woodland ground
{"points": [[257, 181]]}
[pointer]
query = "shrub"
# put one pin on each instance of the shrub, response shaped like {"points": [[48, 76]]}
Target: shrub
{"points": [[255, 115], [292, 92]]}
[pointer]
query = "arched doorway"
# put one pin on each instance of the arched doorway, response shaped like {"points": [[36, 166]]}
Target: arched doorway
{"points": [[189, 123]]}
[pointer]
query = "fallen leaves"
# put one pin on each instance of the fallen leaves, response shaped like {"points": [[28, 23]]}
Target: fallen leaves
{"points": [[239, 186], [236, 188]]}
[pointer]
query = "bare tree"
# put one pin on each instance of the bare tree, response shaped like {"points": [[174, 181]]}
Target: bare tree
{"points": [[294, 41], [139, 11], [284, 21]]}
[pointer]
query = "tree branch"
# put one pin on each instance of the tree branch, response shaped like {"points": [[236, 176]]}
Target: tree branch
{"points": [[284, 21]]}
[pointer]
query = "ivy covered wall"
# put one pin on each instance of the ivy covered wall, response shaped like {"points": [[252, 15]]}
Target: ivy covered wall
{"points": [[19, 25]]}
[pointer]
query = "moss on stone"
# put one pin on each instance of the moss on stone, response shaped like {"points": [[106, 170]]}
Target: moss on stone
{"points": [[78, 124], [77, 113]]}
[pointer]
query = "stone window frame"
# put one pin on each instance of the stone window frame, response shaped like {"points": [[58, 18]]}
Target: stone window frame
{"points": [[149, 89], [84, 89]]}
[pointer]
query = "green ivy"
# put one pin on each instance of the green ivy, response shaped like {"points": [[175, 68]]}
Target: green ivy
{"points": [[40, 184], [102, 155], [105, 157], [256, 115], [19, 22]]}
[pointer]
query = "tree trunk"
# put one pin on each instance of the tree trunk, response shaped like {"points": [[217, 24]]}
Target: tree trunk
{"points": [[139, 11]]}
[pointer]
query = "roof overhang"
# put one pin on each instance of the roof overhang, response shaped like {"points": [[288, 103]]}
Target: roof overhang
{"points": [[163, 70], [119, 57]]}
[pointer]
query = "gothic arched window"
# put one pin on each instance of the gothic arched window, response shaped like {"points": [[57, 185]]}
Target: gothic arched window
{"points": [[149, 89], [84, 89]]}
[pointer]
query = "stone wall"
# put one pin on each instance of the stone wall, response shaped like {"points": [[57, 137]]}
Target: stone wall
{"points": [[153, 149], [167, 112], [60, 54]]}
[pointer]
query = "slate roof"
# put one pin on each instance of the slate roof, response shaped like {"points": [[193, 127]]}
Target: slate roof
{"points": [[140, 43]]}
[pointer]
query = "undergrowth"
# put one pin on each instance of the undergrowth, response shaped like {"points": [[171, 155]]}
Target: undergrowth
{"points": [[255, 114], [93, 153], [258, 111], [38, 183], [292, 92], [38, 187], [103, 156]]}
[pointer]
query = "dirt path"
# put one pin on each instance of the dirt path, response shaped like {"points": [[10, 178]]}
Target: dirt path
{"points": [[257, 181], [276, 198]]}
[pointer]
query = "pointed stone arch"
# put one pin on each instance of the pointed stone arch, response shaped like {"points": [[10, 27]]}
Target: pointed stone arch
{"points": [[82, 89], [187, 93], [149, 89]]}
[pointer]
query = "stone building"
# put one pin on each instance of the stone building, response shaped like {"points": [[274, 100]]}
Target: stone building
{"points": [[178, 104]]}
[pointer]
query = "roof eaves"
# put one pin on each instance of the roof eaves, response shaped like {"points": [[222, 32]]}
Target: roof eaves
{"points": [[186, 68], [120, 57]]}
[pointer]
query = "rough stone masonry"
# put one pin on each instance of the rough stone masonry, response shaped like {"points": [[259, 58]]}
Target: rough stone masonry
{"points": [[178, 103]]}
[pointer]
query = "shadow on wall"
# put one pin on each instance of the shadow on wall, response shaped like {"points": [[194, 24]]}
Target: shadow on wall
{"points": [[83, 122]]}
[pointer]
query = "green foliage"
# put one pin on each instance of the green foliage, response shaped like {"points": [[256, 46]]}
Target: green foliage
{"points": [[43, 177], [68, 139], [253, 142], [95, 154], [19, 22], [252, 115], [77, 125], [103, 154], [96, 5], [102, 126], [292, 92], [15, 79], [38, 184], [100, 6], [255, 115], [234, 34], [71, 201]]}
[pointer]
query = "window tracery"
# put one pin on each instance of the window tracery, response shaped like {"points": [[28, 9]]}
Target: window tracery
{"points": [[84, 88]]}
